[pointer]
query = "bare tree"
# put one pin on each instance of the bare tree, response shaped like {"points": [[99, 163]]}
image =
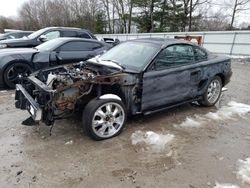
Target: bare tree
{"points": [[131, 5], [239, 5], [106, 4]]}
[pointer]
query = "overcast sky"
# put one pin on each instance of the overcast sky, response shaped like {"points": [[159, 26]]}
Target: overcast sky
{"points": [[10, 7]]}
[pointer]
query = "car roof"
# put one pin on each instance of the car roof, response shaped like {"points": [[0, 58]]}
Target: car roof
{"points": [[68, 28], [163, 41], [67, 39]]}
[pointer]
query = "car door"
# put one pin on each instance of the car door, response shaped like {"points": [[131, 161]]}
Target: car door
{"points": [[171, 78], [74, 51]]}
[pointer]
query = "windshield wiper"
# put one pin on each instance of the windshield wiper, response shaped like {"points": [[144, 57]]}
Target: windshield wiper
{"points": [[113, 61]]}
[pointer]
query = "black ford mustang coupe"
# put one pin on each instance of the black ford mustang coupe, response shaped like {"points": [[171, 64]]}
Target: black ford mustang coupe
{"points": [[136, 77], [20, 61]]}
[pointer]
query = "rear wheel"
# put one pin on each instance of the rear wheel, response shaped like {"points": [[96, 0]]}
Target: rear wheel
{"points": [[104, 118], [13, 72], [213, 92]]}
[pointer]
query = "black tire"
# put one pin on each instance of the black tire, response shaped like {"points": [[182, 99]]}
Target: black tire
{"points": [[205, 100], [11, 73], [89, 113]]}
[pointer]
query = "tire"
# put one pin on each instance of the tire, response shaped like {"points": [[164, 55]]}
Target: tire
{"points": [[109, 121], [212, 93], [12, 72]]}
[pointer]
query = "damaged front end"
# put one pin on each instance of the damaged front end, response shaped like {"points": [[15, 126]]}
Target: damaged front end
{"points": [[57, 93]]}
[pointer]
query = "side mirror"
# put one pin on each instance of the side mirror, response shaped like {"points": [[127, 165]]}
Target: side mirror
{"points": [[11, 37], [43, 38], [58, 57], [117, 41]]}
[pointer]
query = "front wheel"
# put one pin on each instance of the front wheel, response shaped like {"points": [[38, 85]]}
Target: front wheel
{"points": [[104, 118], [212, 93], [13, 72]]}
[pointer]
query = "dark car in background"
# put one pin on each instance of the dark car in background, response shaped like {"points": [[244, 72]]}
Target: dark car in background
{"points": [[44, 35], [135, 77], [18, 62], [15, 35]]}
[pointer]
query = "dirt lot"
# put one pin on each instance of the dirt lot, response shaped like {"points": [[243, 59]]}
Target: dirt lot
{"points": [[203, 150]]}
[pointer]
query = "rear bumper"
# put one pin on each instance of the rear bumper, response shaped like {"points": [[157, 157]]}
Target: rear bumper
{"points": [[25, 101]]}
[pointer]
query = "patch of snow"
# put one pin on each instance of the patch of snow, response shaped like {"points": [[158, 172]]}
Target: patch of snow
{"points": [[238, 57], [110, 96], [104, 62], [69, 142], [231, 110], [154, 141], [243, 172], [189, 122], [225, 185], [227, 112]]}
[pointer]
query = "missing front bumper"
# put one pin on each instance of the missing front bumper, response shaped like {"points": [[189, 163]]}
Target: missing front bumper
{"points": [[25, 101]]}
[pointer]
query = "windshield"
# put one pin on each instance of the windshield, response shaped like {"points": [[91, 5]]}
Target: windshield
{"points": [[37, 33], [5, 35], [131, 54], [49, 45]]}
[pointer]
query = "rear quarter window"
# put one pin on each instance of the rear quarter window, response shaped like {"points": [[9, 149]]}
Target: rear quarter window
{"points": [[200, 54]]}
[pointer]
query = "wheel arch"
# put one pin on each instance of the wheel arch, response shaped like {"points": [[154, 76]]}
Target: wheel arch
{"points": [[222, 77], [9, 63]]}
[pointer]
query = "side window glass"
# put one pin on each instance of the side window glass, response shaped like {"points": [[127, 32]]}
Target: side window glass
{"points": [[84, 35], [199, 54], [77, 46], [95, 46], [175, 55], [52, 35], [69, 34]]}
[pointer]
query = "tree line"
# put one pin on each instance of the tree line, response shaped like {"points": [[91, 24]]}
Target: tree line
{"points": [[121, 16]]}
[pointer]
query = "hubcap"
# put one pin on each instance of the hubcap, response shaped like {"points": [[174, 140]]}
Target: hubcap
{"points": [[213, 91], [16, 72], [108, 120]]}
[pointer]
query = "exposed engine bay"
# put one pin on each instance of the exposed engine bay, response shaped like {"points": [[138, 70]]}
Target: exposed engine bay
{"points": [[60, 91]]}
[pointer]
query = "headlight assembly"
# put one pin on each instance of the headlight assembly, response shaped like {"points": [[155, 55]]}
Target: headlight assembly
{"points": [[3, 45]]}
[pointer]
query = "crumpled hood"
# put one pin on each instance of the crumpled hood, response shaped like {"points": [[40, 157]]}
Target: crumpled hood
{"points": [[17, 51]]}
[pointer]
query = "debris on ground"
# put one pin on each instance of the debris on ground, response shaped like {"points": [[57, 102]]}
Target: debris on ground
{"points": [[34, 179], [19, 172]]}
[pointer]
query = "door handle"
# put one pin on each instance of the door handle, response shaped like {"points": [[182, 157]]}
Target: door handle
{"points": [[194, 73]]}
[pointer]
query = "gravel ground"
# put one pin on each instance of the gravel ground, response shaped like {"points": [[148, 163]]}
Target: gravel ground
{"points": [[190, 153]]}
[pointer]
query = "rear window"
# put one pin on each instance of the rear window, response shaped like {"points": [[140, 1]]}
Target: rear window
{"points": [[69, 33]]}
